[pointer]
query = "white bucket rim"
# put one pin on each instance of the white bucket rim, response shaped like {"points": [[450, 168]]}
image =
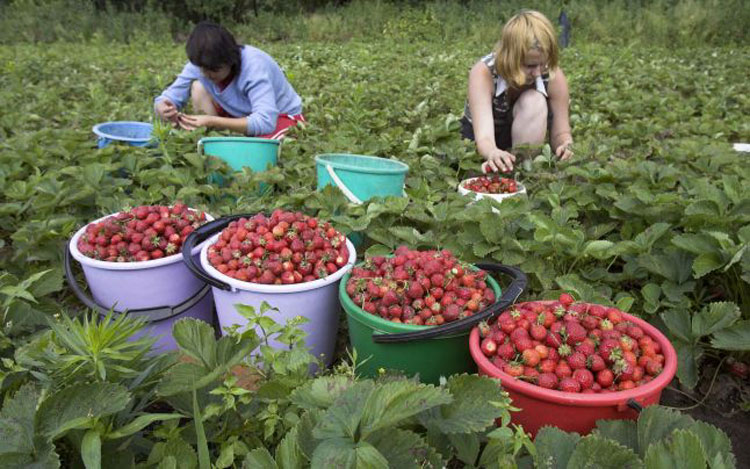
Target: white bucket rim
{"points": [[499, 197], [238, 285], [96, 263]]}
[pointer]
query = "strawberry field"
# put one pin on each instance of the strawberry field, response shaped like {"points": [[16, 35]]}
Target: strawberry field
{"points": [[651, 217]]}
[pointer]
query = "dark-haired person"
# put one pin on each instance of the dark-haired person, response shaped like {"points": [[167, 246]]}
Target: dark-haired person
{"points": [[231, 87]]}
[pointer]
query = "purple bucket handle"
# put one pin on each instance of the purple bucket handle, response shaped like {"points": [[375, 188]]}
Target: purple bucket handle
{"points": [[159, 313], [509, 296]]}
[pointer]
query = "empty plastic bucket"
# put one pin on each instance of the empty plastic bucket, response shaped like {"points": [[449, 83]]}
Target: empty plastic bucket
{"points": [[161, 290], [258, 154], [137, 134], [361, 177], [316, 300], [574, 412]]}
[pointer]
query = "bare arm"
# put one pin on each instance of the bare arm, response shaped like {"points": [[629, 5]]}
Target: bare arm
{"points": [[480, 93], [559, 101], [235, 124]]}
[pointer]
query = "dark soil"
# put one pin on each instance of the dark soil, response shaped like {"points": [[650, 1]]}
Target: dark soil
{"points": [[720, 405]]}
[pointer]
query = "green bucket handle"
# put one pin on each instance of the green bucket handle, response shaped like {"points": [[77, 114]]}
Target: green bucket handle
{"points": [[343, 188], [509, 296]]}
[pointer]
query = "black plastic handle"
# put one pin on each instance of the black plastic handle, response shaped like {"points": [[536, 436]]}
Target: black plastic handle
{"points": [[199, 235], [509, 296], [635, 405], [155, 314]]}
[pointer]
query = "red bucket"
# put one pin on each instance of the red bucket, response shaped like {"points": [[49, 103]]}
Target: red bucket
{"points": [[575, 412]]}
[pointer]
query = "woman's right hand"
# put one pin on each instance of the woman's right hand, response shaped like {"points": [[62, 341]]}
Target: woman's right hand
{"points": [[167, 111], [498, 160]]}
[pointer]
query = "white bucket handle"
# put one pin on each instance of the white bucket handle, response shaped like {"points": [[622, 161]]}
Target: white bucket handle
{"points": [[200, 147], [348, 193]]}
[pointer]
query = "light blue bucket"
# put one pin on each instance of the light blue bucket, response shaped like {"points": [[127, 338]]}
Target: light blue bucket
{"points": [[138, 134], [361, 177], [258, 154]]}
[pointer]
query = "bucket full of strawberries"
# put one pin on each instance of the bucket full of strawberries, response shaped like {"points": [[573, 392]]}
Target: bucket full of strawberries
{"points": [[491, 186], [412, 311], [569, 364], [133, 265], [287, 259]]}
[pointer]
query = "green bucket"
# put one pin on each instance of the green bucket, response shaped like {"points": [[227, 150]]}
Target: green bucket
{"points": [[361, 177], [258, 154], [431, 358]]}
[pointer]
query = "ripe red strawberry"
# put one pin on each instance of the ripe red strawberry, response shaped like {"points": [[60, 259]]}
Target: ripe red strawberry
{"points": [[590, 322], [562, 370], [653, 367], [506, 351], [538, 331], [605, 378], [576, 332], [584, 377], [547, 380], [513, 369], [577, 360], [523, 344], [569, 385], [595, 363], [489, 347], [530, 357], [547, 366], [566, 299]]}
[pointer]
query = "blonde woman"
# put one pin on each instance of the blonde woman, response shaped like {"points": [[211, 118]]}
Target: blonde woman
{"points": [[518, 94]]}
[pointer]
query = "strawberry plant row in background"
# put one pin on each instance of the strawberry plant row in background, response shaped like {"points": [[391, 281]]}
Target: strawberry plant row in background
{"points": [[419, 287], [283, 248], [571, 347], [140, 234]]}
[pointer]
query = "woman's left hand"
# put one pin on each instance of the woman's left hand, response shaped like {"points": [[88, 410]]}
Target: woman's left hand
{"points": [[564, 151], [189, 122]]}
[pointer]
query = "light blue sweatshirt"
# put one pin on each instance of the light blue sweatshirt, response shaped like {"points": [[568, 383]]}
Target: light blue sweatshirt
{"points": [[259, 91]]}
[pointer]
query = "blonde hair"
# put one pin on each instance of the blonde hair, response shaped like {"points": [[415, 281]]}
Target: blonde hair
{"points": [[526, 31]]}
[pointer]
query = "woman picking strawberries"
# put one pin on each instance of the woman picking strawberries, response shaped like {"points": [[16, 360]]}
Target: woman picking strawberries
{"points": [[232, 87], [517, 93]]}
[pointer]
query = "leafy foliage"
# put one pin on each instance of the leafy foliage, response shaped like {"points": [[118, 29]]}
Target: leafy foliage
{"points": [[651, 216], [660, 438]]}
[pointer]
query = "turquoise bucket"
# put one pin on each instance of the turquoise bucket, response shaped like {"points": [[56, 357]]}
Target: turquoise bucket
{"points": [[361, 177], [258, 154]]}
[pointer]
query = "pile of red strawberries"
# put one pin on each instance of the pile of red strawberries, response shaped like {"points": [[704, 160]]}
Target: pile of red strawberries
{"points": [[283, 248], [140, 234], [571, 347], [492, 185], [419, 287]]}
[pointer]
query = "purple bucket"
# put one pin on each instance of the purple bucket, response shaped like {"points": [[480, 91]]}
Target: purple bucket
{"points": [[317, 300], [161, 290]]}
